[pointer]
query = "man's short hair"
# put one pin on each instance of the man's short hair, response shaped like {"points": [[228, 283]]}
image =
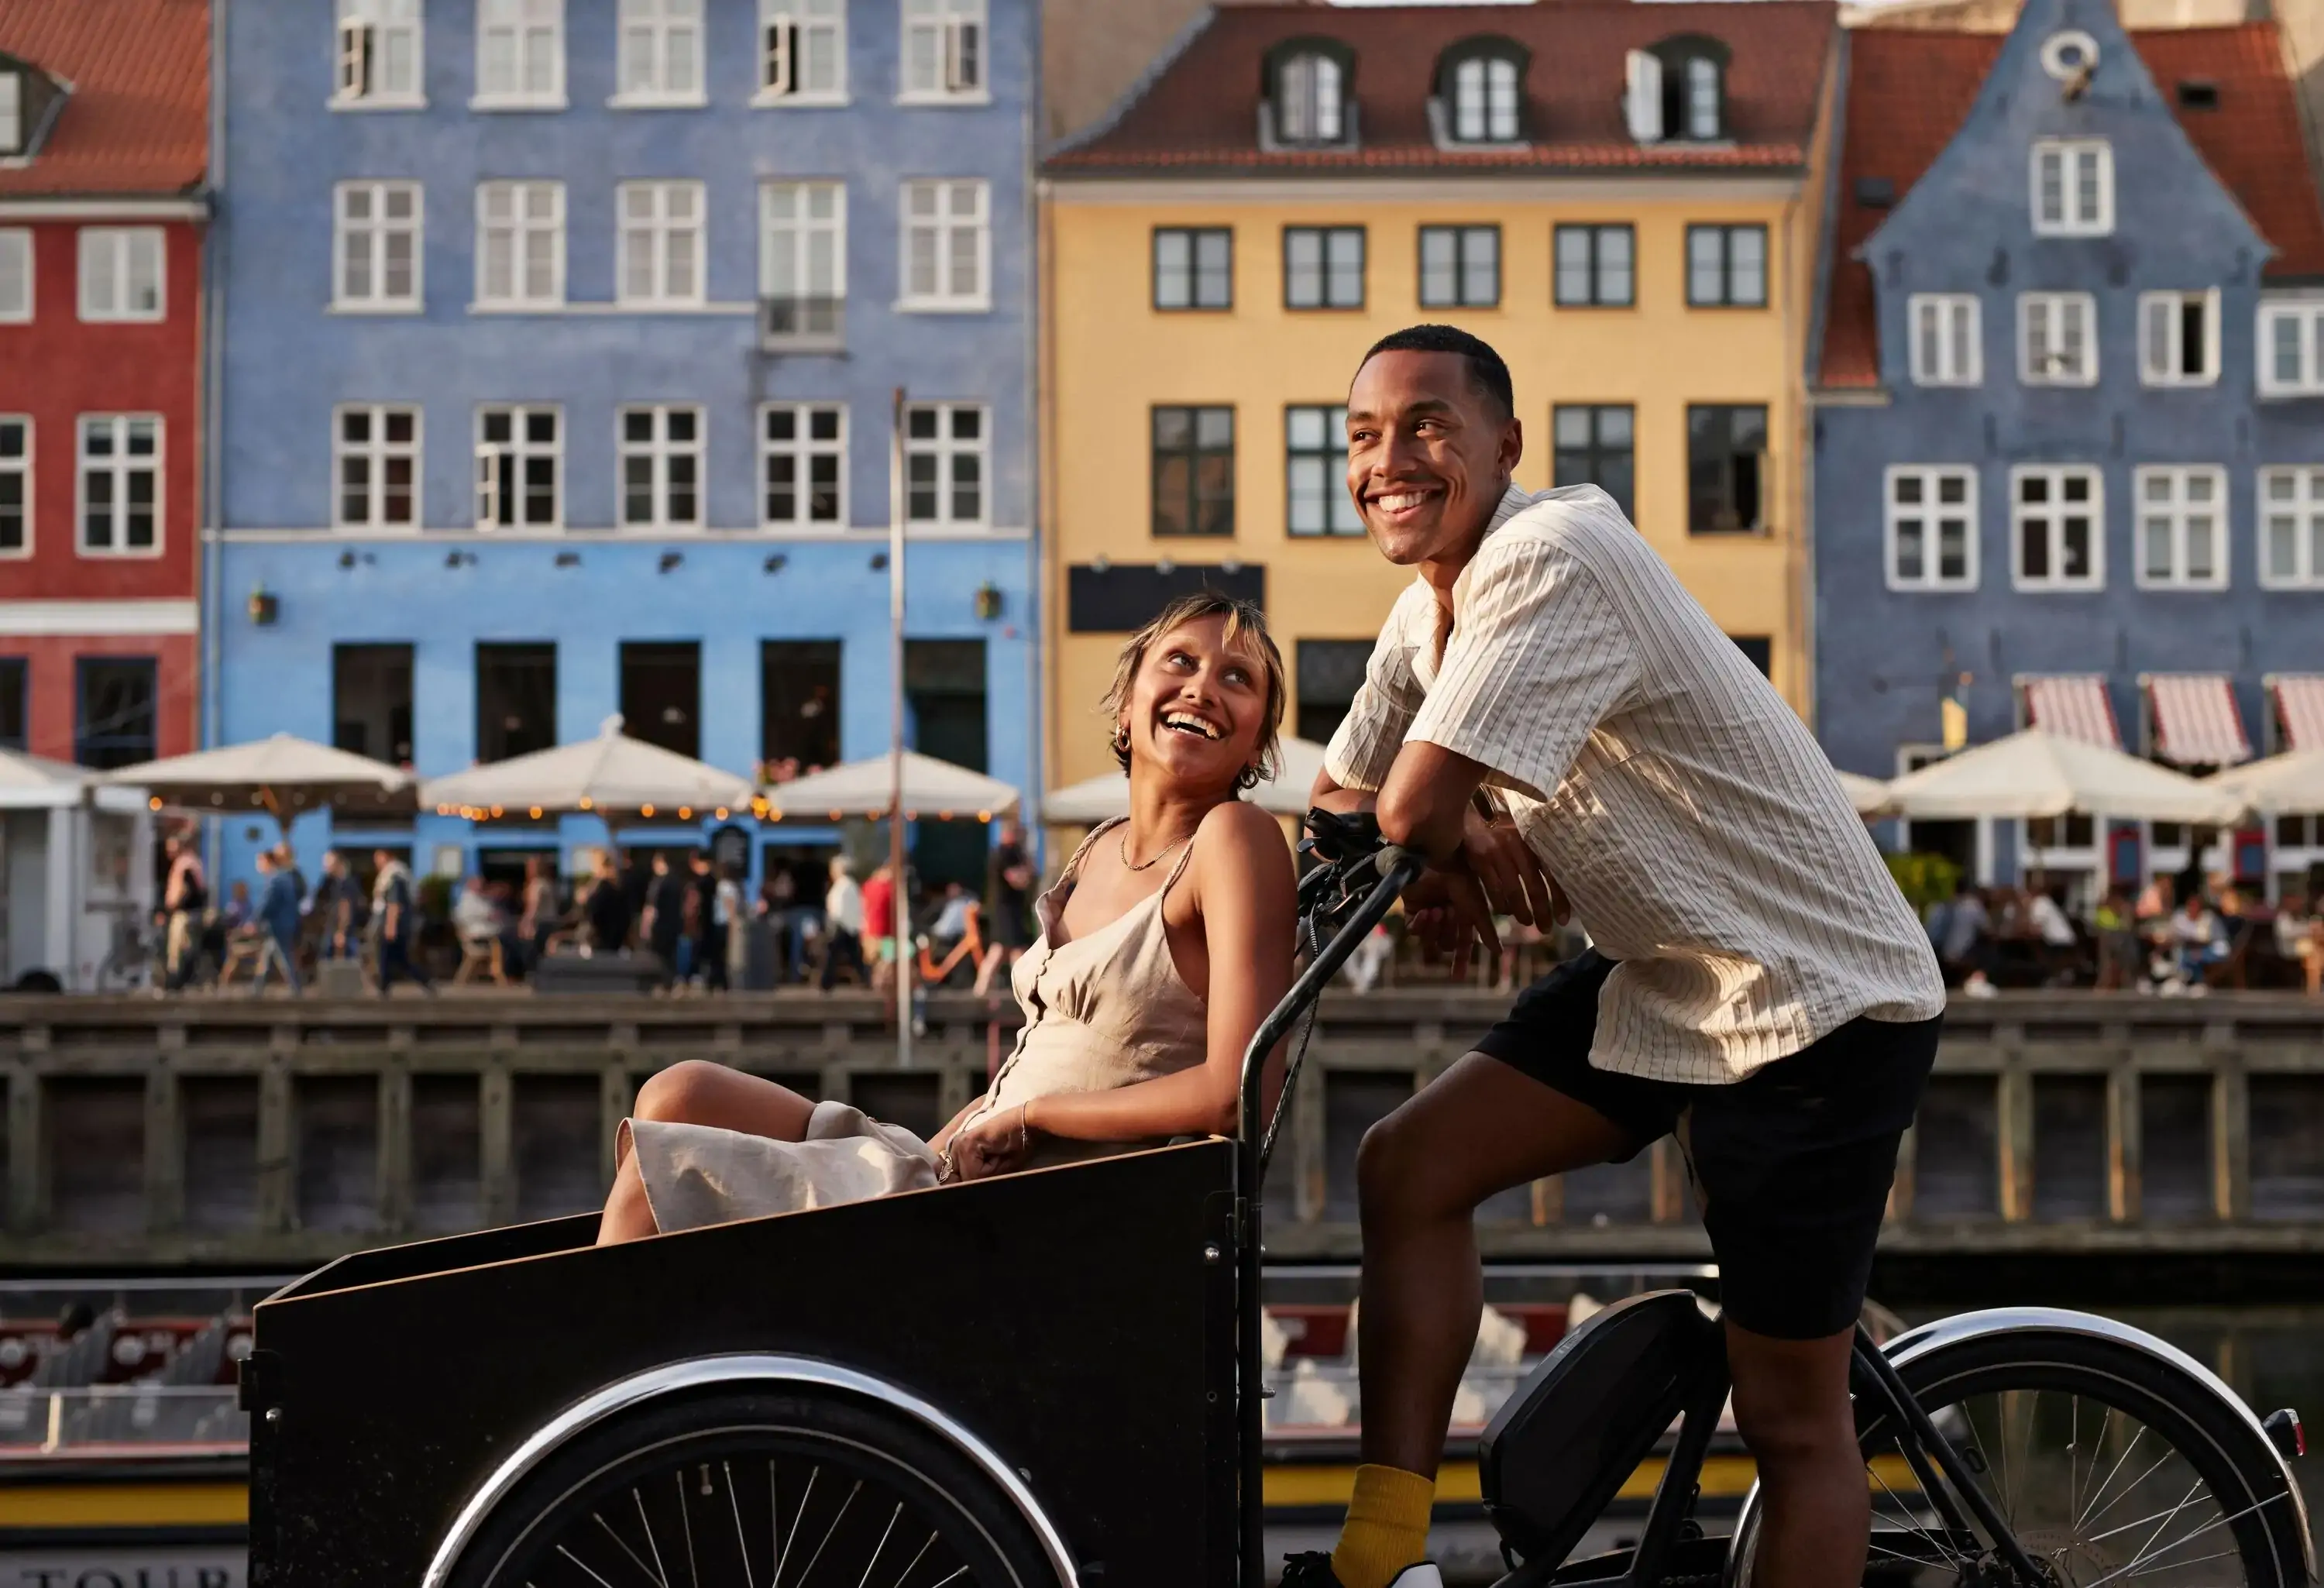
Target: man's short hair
{"points": [[1487, 372]]}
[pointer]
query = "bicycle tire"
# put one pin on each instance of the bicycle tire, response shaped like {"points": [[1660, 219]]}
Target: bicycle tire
{"points": [[734, 1479], [2246, 1483]]}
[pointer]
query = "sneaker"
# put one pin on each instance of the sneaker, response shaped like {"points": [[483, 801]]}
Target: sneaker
{"points": [[1314, 1570]]}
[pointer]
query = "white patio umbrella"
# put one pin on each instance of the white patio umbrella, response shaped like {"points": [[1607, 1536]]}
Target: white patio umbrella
{"points": [[2035, 773], [613, 776], [1869, 795], [1102, 797], [285, 776], [932, 787], [2293, 781]]}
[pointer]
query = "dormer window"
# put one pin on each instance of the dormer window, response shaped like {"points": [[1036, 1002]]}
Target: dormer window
{"points": [[1677, 91], [28, 105], [1308, 95], [1477, 92]]}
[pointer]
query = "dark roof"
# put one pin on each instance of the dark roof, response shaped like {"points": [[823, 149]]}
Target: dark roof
{"points": [[137, 119], [1199, 110], [1909, 92]]}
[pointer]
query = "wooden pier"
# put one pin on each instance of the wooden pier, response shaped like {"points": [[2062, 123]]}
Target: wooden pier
{"points": [[278, 1133]]}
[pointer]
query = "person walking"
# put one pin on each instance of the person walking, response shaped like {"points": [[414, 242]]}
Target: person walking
{"points": [[843, 924], [185, 896], [1009, 880], [729, 932], [395, 912], [664, 926], [1548, 708], [278, 917]]}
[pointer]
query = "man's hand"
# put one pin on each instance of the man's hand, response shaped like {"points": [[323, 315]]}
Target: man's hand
{"points": [[1446, 909], [1511, 874]]}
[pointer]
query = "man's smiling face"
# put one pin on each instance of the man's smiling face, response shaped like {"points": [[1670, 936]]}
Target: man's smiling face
{"points": [[1429, 454]]}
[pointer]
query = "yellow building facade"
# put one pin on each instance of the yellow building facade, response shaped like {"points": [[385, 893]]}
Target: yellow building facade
{"points": [[1123, 243]]}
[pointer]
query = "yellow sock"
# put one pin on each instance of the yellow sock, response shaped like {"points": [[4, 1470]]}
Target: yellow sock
{"points": [[1386, 1528]]}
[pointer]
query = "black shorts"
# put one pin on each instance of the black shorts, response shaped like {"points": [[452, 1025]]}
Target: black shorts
{"points": [[1790, 1165]]}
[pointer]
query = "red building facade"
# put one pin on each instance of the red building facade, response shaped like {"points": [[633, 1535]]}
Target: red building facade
{"points": [[104, 108]]}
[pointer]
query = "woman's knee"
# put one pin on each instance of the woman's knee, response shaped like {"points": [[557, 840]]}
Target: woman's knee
{"points": [[683, 1093]]}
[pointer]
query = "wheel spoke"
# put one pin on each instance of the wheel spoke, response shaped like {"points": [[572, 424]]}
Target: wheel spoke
{"points": [[734, 1504], [836, 1517], [661, 1575], [692, 1572], [915, 1561], [2093, 1510], [583, 1564], [651, 1575], [797, 1522], [2144, 1556], [1944, 1549], [865, 1581]]}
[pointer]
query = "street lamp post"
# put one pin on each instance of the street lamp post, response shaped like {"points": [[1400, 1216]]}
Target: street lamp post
{"points": [[900, 909]]}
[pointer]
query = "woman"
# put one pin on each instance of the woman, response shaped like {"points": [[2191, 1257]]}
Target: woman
{"points": [[1163, 946], [843, 925], [537, 921]]}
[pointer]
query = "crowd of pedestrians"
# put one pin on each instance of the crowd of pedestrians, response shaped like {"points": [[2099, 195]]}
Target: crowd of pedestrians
{"points": [[2178, 937]]}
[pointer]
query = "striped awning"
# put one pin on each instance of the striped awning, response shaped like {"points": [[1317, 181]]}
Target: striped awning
{"points": [[2072, 706], [2196, 722], [2300, 699]]}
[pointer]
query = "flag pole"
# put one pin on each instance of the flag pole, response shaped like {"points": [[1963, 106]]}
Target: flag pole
{"points": [[900, 911]]}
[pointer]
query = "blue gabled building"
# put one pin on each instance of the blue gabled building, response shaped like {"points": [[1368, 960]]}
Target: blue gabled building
{"points": [[558, 341], [2068, 386]]}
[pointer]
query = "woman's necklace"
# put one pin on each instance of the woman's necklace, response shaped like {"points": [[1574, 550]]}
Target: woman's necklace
{"points": [[1123, 846]]}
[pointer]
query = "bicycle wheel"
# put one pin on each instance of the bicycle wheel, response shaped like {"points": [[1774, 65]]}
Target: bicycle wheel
{"points": [[2107, 1462], [765, 1487]]}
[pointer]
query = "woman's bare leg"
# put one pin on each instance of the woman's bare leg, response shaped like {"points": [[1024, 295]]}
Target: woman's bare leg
{"points": [[696, 1092]]}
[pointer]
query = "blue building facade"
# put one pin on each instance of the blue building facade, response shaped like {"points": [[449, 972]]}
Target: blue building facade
{"points": [[2069, 413], [559, 345]]}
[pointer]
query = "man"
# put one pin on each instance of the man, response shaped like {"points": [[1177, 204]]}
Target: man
{"points": [[394, 907], [1007, 889], [1546, 700], [278, 920], [185, 895], [339, 901], [664, 925]]}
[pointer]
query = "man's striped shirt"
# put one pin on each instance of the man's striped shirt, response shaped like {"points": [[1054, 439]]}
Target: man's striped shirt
{"points": [[1695, 825]]}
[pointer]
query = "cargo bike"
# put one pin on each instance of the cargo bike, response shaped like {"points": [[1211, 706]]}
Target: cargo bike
{"points": [[1054, 1380]]}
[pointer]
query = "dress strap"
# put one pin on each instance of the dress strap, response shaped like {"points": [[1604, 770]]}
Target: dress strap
{"points": [[1074, 866], [1178, 869]]}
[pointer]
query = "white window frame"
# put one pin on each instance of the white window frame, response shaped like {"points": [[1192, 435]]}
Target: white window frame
{"points": [[2022, 519], [119, 272], [1960, 327], [948, 227], [366, 33], [669, 33], [945, 449], [2305, 506], [492, 477], [1488, 100], [954, 37], [2049, 306], [525, 234], [2070, 153], [118, 465], [661, 229], [20, 469], [12, 112], [785, 28], [802, 450], [2179, 513], [375, 452], [1310, 100], [16, 265], [791, 241], [373, 232], [529, 23], [2306, 316], [2161, 344], [658, 452], [1930, 475]]}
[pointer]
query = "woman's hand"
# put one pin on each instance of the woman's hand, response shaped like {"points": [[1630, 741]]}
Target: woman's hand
{"points": [[997, 1144]]}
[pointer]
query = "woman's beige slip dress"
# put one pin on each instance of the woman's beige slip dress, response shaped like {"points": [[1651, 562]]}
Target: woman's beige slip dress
{"points": [[1102, 1011]]}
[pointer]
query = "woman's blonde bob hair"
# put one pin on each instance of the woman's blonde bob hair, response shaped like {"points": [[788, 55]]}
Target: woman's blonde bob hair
{"points": [[1246, 629]]}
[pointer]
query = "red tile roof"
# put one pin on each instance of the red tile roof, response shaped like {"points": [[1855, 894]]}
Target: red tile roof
{"points": [[1201, 111], [1909, 91], [137, 120]]}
